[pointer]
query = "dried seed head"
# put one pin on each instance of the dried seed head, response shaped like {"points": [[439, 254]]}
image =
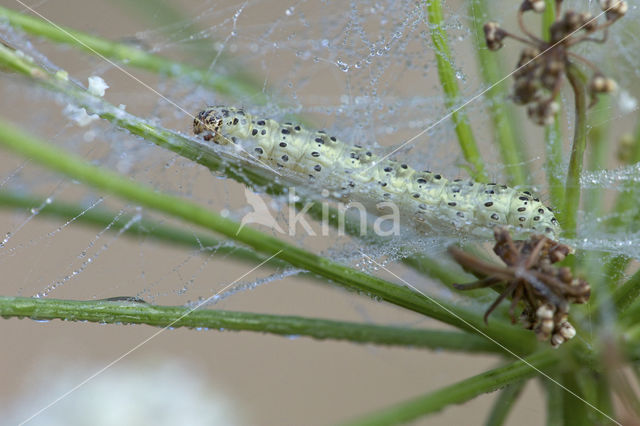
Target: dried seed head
{"points": [[537, 6], [494, 35], [614, 9], [602, 84], [529, 271]]}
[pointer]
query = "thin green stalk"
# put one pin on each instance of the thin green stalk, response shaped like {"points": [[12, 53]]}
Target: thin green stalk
{"points": [[103, 219], [555, 402], [66, 163], [449, 83], [459, 392], [614, 270], [504, 404], [593, 262], [625, 295], [572, 188], [575, 411], [237, 85], [505, 127], [553, 132], [130, 312], [444, 273], [599, 147]]}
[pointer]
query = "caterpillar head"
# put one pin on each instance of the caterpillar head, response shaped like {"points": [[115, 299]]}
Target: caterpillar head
{"points": [[208, 123]]}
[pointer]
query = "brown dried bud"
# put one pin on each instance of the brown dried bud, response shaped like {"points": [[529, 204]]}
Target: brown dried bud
{"points": [[525, 90], [543, 112], [537, 6], [566, 330], [556, 340], [582, 291], [565, 275], [588, 23], [571, 21], [602, 84], [559, 252], [494, 35], [614, 9], [528, 57]]}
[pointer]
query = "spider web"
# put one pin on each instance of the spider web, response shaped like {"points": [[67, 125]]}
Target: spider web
{"points": [[364, 70]]}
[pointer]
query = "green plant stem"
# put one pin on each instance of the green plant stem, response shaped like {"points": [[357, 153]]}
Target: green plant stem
{"points": [[553, 132], [504, 124], [127, 312], [504, 403], [598, 139], [593, 263], [575, 411], [449, 84], [238, 85], [625, 295], [572, 187], [459, 392], [66, 163], [555, 406]]}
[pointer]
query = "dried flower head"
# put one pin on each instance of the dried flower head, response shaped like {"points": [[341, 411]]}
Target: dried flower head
{"points": [[542, 65], [530, 277]]}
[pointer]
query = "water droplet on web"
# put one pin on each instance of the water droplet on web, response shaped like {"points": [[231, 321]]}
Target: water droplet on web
{"points": [[289, 11], [6, 239], [343, 66]]}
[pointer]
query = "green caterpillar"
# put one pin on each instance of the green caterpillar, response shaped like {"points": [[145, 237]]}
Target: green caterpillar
{"points": [[426, 200]]}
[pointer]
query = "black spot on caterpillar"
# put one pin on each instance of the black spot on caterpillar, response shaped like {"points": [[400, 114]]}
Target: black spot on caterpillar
{"points": [[431, 203]]}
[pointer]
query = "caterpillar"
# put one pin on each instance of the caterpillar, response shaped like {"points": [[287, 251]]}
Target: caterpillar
{"points": [[426, 200]]}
